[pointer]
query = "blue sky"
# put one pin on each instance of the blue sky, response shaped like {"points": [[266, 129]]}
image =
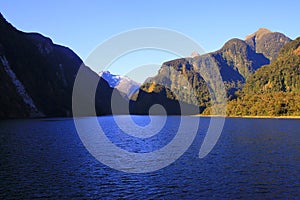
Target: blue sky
{"points": [[82, 25]]}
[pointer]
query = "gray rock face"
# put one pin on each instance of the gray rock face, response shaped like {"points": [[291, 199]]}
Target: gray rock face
{"points": [[236, 60], [266, 42]]}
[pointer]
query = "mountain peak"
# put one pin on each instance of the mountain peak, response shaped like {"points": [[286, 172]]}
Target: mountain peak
{"points": [[259, 33], [112, 79], [124, 84], [194, 54], [260, 30], [267, 42]]}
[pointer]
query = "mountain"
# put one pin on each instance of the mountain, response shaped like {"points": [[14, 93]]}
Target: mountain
{"points": [[236, 55], [159, 103], [139, 102], [37, 76], [273, 89], [236, 60], [266, 42], [37, 79], [122, 83], [194, 54], [282, 75], [175, 79]]}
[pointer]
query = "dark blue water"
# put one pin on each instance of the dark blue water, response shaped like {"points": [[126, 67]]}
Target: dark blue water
{"points": [[254, 158]]}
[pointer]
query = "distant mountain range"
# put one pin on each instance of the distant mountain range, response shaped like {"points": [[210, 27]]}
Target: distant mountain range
{"points": [[37, 78], [122, 83]]}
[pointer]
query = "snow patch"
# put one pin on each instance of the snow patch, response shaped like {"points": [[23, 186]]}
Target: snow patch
{"points": [[113, 80], [122, 83]]}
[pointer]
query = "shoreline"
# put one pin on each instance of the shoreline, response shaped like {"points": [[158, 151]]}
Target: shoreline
{"points": [[194, 115], [250, 117]]}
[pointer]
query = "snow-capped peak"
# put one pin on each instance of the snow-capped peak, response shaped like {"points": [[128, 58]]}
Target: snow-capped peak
{"points": [[113, 80], [122, 83]]}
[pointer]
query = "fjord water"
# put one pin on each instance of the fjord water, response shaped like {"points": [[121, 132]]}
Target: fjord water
{"points": [[254, 158]]}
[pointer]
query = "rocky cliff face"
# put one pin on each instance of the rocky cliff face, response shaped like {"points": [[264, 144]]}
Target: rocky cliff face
{"points": [[236, 60], [266, 42], [238, 56]]}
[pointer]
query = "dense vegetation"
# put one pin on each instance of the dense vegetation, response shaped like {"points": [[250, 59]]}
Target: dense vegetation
{"points": [[273, 90]]}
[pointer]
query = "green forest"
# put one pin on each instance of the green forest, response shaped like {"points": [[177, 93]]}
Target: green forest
{"points": [[274, 89]]}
